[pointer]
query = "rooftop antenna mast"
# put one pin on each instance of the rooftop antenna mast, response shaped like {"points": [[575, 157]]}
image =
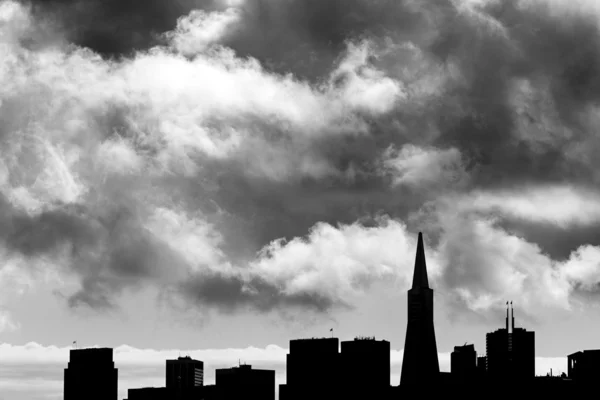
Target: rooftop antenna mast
{"points": [[512, 313], [507, 316]]}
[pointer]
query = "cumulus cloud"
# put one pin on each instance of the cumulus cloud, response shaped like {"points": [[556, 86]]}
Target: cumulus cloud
{"points": [[241, 154]]}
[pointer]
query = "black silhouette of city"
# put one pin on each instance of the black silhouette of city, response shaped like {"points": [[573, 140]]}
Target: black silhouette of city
{"points": [[316, 368]]}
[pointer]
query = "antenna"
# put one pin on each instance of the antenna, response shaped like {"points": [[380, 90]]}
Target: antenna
{"points": [[507, 316], [512, 318]]}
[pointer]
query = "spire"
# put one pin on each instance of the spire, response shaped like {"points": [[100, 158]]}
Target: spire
{"points": [[420, 273]]}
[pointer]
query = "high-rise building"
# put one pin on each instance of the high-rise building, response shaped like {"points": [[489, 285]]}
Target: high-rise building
{"points": [[481, 367], [420, 363], [510, 352], [91, 374], [366, 362], [184, 374], [310, 364], [243, 382], [584, 366], [463, 364]]}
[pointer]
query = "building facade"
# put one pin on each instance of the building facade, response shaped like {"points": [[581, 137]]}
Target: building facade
{"points": [[312, 363], [583, 367], [366, 363], [244, 382], [91, 374], [184, 374]]}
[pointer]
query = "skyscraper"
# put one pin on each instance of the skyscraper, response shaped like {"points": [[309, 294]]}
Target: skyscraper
{"points": [[366, 363], [91, 374], [184, 374], [311, 364], [420, 364], [243, 382], [463, 363], [510, 351]]}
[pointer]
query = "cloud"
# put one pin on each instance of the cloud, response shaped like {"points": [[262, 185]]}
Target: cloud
{"points": [[563, 206], [330, 267], [64, 196], [414, 166], [199, 29], [241, 153], [484, 265]]}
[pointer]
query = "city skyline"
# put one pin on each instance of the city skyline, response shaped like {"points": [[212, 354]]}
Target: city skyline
{"points": [[324, 367], [189, 372], [217, 177]]}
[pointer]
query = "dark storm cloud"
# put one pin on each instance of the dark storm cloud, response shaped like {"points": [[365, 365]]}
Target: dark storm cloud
{"points": [[307, 36], [115, 27], [556, 53], [230, 294], [107, 248], [557, 242]]}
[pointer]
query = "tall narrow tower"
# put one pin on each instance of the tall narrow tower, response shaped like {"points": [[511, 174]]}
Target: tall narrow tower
{"points": [[420, 364]]}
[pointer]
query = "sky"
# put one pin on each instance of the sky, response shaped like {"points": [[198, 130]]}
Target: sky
{"points": [[217, 177]]}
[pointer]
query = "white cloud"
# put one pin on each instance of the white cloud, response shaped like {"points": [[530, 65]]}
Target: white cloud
{"points": [[341, 261], [564, 206], [196, 31], [582, 269], [190, 236], [424, 167], [208, 106], [118, 156], [484, 265], [7, 324], [365, 88]]}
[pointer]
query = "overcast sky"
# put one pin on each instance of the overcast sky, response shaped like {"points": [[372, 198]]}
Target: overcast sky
{"points": [[217, 177]]}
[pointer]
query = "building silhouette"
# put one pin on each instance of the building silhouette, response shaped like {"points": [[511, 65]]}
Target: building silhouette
{"points": [[463, 364], [151, 393], [91, 374], [184, 374], [312, 363], [244, 382], [420, 364], [583, 367], [510, 352], [365, 366], [481, 367]]}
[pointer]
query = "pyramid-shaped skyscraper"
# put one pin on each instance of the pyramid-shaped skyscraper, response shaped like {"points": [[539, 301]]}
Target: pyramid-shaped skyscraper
{"points": [[420, 364]]}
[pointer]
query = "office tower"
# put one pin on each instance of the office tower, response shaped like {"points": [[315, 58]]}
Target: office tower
{"points": [[481, 367], [311, 364], [510, 352], [91, 375], [420, 364], [497, 355], [366, 363], [463, 364], [243, 382], [584, 366], [184, 374]]}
